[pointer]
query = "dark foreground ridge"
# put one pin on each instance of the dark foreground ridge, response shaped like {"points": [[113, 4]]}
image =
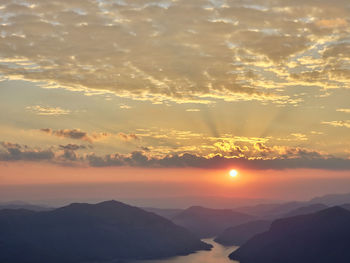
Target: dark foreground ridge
{"points": [[89, 233], [321, 237]]}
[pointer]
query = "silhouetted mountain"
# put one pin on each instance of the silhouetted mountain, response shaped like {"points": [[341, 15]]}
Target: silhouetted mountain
{"points": [[163, 212], [332, 199], [278, 210], [346, 206], [270, 211], [304, 210], [23, 205], [320, 237], [238, 235], [90, 233], [206, 222], [183, 202]]}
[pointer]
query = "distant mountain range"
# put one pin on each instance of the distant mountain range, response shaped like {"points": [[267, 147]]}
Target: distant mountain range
{"points": [[304, 210], [207, 222], [277, 210], [332, 199], [167, 213], [23, 205], [113, 231], [91, 233], [320, 237], [238, 235]]}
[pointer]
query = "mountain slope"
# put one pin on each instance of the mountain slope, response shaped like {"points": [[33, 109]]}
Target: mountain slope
{"points": [[270, 211], [206, 222], [23, 205], [304, 210], [167, 213], [90, 233], [238, 235], [332, 199], [320, 237]]}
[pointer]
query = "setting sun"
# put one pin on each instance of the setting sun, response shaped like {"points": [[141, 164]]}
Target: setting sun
{"points": [[233, 173]]}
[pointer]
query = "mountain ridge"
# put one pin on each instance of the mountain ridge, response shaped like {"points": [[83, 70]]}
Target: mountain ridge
{"points": [[82, 232]]}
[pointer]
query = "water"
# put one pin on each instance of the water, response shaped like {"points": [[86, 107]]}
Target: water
{"points": [[218, 254]]}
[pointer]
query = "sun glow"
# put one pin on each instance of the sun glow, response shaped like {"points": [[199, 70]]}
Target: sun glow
{"points": [[233, 173]]}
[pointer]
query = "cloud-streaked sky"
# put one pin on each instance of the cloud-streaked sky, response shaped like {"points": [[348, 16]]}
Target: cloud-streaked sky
{"points": [[251, 84]]}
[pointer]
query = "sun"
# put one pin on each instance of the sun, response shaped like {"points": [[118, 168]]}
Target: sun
{"points": [[233, 173]]}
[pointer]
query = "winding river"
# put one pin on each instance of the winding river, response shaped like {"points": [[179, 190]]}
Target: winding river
{"points": [[218, 254]]}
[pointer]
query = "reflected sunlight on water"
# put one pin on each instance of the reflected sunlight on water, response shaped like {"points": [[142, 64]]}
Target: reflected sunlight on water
{"points": [[218, 254]]}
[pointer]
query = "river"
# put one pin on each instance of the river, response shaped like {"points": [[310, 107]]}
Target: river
{"points": [[218, 254]]}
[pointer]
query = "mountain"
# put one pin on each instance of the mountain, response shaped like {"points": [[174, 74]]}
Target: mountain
{"points": [[91, 233], [277, 210], [320, 237], [207, 222], [346, 206], [183, 202], [238, 235], [332, 199], [270, 210], [304, 210], [164, 212], [23, 205]]}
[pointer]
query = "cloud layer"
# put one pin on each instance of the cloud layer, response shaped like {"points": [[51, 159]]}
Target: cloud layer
{"points": [[68, 155], [184, 51]]}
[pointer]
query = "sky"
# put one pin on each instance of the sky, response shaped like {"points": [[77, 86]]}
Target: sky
{"points": [[156, 99]]}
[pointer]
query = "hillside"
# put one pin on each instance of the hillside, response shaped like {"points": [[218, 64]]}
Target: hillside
{"points": [[320, 237], [88, 233], [207, 222], [238, 235]]}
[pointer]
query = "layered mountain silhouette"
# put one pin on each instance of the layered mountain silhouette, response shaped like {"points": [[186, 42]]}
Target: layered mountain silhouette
{"points": [[91, 233], [238, 235], [320, 237], [304, 210], [278, 210], [207, 222], [270, 211], [332, 199], [163, 212], [23, 205]]}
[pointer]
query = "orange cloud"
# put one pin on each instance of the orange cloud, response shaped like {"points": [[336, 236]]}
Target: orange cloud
{"points": [[128, 137], [332, 23]]}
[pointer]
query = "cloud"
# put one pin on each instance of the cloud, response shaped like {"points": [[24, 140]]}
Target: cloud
{"points": [[300, 136], [145, 149], [138, 159], [332, 23], [128, 137], [343, 124], [75, 134], [16, 152], [344, 110], [289, 158], [48, 111], [175, 50], [124, 106], [73, 147]]}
